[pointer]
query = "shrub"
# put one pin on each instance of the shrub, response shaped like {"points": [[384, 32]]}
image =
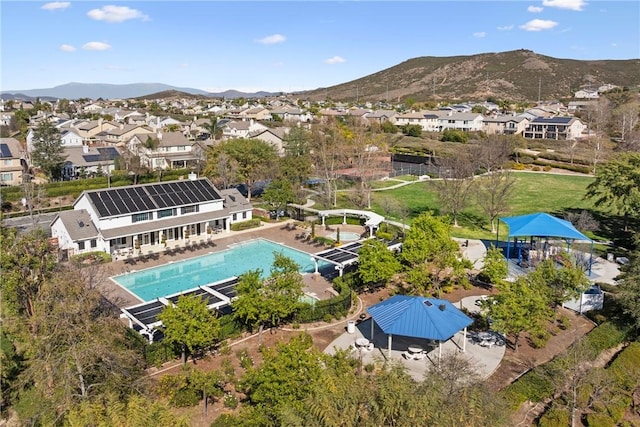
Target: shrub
{"points": [[565, 322], [384, 235], [532, 386], [369, 367], [539, 338], [185, 397], [245, 225], [230, 401], [605, 336], [555, 417], [519, 166], [157, 353], [598, 419]]}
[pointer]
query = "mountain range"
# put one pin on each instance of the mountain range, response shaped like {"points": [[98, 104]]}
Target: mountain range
{"points": [[520, 75]]}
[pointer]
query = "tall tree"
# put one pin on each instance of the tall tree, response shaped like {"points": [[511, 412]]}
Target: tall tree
{"points": [[190, 325], [253, 159], [278, 193], [492, 153], [454, 189], [617, 185], [629, 288], [493, 192], [270, 301], [214, 128], [47, 149], [328, 156], [376, 263]]}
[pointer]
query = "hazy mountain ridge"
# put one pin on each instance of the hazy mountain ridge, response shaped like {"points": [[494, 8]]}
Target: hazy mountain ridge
{"points": [[520, 75], [115, 91]]}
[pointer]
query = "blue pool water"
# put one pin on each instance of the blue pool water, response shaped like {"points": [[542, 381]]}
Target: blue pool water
{"points": [[180, 276]]}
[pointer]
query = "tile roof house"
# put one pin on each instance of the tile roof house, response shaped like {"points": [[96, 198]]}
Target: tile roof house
{"points": [[85, 161], [171, 150], [273, 136], [124, 133], [559, 128], [428, 120], [504, 125], [241, 129], [469, 122], [12, 162], [142, 218]]}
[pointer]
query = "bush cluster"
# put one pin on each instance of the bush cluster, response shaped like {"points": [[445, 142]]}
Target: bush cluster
{"points": [[324, 310], [245, 225]]}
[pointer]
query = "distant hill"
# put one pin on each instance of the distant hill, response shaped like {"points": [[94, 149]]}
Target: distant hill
{"points": [[112, 91], [520, 75]]}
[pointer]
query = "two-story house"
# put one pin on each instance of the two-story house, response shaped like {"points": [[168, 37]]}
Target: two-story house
{"points": [[123, 133], [504, 125], [12, 163], [85, 161], [162, 150], [468, 122], [140, 217], [569, 128], [241, 129], [428, 120]]}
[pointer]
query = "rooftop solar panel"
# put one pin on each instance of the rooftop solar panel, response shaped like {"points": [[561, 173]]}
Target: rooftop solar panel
{"points": [[97, 202], [147, 313], [226, 288], [5, 152]]}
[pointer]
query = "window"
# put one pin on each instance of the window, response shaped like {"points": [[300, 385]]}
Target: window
{"points": [[121, 240], [6, 177], [235, 216], [244, 215], [7, 162], [165, 213], [81, 246], [190, 209], [94, 243], [143, 216], [182, 148]]}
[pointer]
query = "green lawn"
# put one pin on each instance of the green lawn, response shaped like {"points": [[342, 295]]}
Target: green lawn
{"points": [[554, 194]]}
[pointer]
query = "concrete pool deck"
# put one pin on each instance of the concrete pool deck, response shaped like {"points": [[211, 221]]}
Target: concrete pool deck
{"points": [[279, 232]]}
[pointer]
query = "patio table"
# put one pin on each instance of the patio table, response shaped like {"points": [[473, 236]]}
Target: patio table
{"points": [[415, 349], [362, 342]]}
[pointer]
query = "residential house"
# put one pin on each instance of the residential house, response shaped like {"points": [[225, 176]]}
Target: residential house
{"points": [[70, 138], [428, 120], [559, 128], [273, 136], [579, 106], [140, 218], [291, 114], [504, 125], [169, 150], [240, 129], [468, 122], [12, 162], [381, 116], [255, 113], [89, 130], [124, 133], [5, 119], [586, 94], [86, 161]]}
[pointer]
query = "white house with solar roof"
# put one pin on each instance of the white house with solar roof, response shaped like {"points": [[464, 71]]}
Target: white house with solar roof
{"points": [[141, 218]]}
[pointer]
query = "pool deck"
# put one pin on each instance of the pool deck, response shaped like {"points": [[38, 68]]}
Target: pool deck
{"points": [[281, 232]]}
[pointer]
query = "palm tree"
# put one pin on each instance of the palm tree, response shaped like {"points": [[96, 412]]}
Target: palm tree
{"points": [[214, 128]]}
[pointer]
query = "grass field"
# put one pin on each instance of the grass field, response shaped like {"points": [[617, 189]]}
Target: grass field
{"points": [[535, 192]]}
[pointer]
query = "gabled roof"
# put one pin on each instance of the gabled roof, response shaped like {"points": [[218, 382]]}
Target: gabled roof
{"points": [[419, 317], [542, 225], [10, 148], [78, 224], [553, 120]]}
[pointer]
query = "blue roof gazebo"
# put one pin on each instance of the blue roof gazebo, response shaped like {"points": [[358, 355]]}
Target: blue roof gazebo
{"points": [[543, 225], [419, 317]]}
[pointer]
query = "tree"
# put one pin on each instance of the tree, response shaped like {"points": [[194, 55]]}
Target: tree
{"points": [[617, 185], [328, 155], [47, 149], [270, 301], [412, 130], [253, 160], [189, 324], [559, 284], [495, 268], [493, 152], [278, 193], [214, 128], [455, 187], [376, 263], [628, 294], [518, 307], [493, 192], [626, 118]]}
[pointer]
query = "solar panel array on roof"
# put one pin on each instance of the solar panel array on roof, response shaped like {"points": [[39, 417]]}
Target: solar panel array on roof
{"points": [[149, 197], [147, 314], [104, 154], [5, 152]]}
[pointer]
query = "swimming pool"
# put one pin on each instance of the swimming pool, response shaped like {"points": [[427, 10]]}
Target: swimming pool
{"points": [[180, 276]]}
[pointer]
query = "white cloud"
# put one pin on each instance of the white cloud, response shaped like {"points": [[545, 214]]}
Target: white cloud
{"points": [[96, 46], [565, 4], [505, 28], [67, 48], [114, 14], [614, 44], [538, 25], [479, 34], [335, 60], [535, 9], [272, 39], [55, 5]]}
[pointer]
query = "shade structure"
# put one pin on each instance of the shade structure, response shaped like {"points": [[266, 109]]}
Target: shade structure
{"points": [[418, 317], [542, 225]]}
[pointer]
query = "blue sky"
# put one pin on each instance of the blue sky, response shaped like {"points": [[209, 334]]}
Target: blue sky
{"points": [[289, 45]]}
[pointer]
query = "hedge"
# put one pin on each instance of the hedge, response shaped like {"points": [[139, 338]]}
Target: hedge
{"points": [[566, 166], [245, 225], [335, 307], [555, 417]]}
